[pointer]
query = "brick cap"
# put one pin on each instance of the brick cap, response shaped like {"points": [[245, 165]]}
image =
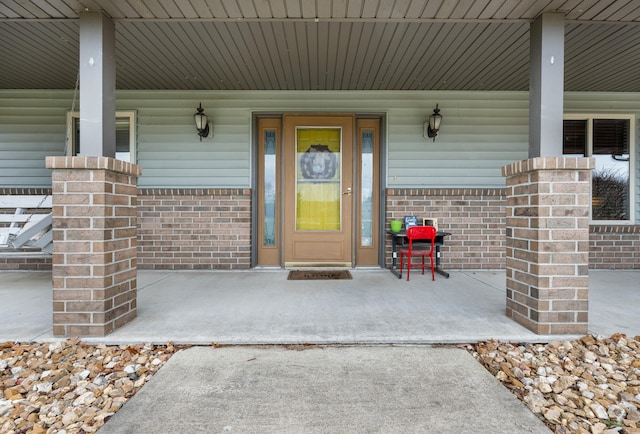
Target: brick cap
{"points": [[549, 163], [92, 163]]}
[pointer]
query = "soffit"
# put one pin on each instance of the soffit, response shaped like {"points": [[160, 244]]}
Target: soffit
{"points": [[329, 44]]}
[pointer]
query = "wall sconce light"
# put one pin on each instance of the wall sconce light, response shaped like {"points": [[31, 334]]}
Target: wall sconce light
{"points": [[204, 127], [432, 126]]}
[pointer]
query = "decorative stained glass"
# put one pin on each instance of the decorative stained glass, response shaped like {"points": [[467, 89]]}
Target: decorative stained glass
{"points": [[318, 179]]}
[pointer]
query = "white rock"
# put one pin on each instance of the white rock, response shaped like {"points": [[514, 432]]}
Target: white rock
{"points": [[545, 388], [69, 418], [552, 415], [535, 402], [84, 399], [616, 412], [43, 387], [528, 356], [619, 377], [48, 420], [599, 411], [589, 357], [5, 407], [56, 347], [526, 381], [140, 381], [100, 380], [598, 428], [132, 369]]}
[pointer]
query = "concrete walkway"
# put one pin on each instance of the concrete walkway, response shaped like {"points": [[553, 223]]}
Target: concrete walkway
{"points": [[263, 307], [380, 389]]}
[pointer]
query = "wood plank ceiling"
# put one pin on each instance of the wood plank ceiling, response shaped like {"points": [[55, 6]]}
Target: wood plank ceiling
{"points": [[323, 44]]}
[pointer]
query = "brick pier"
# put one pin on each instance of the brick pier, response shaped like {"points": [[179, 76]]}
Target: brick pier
{"points": [[547, 258], [94, 253]]}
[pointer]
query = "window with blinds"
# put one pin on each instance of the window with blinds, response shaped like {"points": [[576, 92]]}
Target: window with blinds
{"points": [[609, 141]]}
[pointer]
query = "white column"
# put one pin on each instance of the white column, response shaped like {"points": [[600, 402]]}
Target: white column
{"points": [[546, 85], [97, 85]]}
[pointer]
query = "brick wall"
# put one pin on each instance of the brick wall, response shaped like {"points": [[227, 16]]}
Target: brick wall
{"points": [[25, 262], [194, 229], [614, 247], [189, 229], [475, 217]]}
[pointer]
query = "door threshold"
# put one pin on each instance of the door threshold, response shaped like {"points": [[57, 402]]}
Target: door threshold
{"points": [[318, 265]]}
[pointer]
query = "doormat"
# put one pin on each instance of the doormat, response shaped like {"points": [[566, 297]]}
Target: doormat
{"points": [[319, 275]]}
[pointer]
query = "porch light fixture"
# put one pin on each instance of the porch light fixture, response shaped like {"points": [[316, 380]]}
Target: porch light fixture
{"points": [[204, 127], [433, 125]]}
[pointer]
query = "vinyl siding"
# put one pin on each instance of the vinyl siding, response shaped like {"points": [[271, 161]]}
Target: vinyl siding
{"points": [[32, 126], [480, 133]]}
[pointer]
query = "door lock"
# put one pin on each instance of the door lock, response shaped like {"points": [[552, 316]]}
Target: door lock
{"points": [[348, 191]]}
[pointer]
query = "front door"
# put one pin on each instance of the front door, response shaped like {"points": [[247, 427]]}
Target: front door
{"points": [[318, 190]]}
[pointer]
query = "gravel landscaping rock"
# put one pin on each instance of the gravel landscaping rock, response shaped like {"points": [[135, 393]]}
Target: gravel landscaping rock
{"points": [[70, 387], [591, 385], [587, 386]]}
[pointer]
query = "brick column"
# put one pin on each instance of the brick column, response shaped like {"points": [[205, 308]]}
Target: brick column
{"points": [[548, 243], [94, 248]]}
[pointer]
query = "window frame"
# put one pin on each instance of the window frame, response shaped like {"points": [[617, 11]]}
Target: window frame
{"points": [[130, 114], [589, 117]]}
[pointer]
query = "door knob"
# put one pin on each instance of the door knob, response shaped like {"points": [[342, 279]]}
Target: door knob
{"points": [[348, 191]]}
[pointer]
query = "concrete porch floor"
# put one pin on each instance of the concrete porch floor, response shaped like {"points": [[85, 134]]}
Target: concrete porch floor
{"points": [[263, 307]]}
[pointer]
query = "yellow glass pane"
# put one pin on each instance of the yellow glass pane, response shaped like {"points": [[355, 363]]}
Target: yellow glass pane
{"points": [[318, 179]]}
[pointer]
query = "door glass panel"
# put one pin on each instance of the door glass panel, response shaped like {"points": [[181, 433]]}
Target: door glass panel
{"points": [[269, 188], [318, 179], [366, 206]]}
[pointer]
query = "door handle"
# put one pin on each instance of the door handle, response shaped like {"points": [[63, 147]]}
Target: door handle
{"points": [[348, 191]]}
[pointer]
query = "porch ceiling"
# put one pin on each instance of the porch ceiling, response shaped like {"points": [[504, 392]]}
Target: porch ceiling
{"points": [[328, 44]]}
